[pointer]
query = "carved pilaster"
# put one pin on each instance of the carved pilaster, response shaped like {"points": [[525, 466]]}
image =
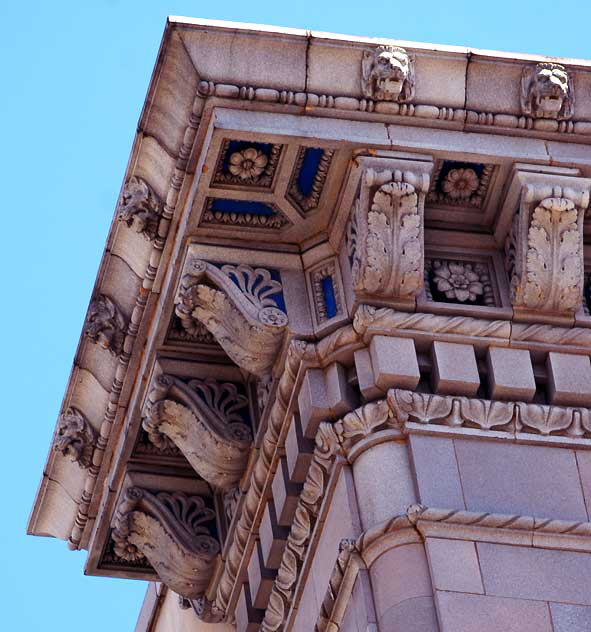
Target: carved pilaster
{"points": [[385, 237], [75, 437], [544, 250], [139, 207], [238, 306], [170, 530], [204, 419]]}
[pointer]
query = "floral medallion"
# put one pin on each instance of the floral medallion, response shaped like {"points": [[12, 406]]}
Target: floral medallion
{"points": [[246, 164]]}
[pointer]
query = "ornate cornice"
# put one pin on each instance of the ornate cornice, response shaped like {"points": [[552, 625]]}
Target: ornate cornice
{"points": [[385, 236], [205, 420], [545, 250], [237, 305], [75, 437], [167, 529]]}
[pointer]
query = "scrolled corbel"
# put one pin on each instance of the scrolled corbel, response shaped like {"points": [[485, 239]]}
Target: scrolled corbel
{"points": [[237, 304], [205, 420], [169, 530]]}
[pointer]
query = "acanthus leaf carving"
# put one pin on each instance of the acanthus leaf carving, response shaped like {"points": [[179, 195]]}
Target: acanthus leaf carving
{"points": [[237, 305], [387, 74], [386, 233], [140, 208], [547, 92], [545, 251], [75, 437], [169, 529], [203, 418], [105, 324]]}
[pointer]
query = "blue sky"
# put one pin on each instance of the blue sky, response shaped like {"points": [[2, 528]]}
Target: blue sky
{"points": [[75, 75]]}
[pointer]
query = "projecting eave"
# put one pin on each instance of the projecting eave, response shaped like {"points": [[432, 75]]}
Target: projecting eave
{"points": [[287, 88]]}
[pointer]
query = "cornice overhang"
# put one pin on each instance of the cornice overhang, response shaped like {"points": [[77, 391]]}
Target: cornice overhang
{"points": [[198, 101]]}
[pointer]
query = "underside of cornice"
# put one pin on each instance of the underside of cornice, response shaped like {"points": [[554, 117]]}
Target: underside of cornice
{"points": [[286, 233]]}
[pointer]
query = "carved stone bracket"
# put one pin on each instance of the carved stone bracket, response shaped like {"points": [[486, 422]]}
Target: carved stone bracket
{"points": [[544, 250], [105, 324], [203, 419], [169, 530], [236, 304], [75, 437], [385, 237], [140, 208]]}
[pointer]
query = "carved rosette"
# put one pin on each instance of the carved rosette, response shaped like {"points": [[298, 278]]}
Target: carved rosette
{"points": [[203, 419], [140, 208], [385, 237], [105, 324], [236, 305], [75, 437], [544, 252], [169, 530]]}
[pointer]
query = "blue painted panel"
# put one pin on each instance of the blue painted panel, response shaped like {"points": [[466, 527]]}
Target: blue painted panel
{"points": [[309, 169], [241, 206], [330, 302]]}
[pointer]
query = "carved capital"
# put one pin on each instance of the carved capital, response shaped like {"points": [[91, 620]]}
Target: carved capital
{"points": [[387, 74], [385, 238], [205, 420], [547, 92], [105, 324], [139, 207], [544, 250], [170, 530], [75, 437], [238, 306]]}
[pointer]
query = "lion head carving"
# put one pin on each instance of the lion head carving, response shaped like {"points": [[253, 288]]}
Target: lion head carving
{"points": [[547, 92], [75, 437], [105, 324], [139, 207], [387, 74]]}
